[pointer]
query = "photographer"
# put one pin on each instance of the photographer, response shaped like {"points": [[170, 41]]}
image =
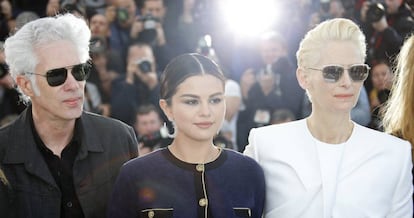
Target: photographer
{"points": [[123, 18], [149, 129], [150, 28], [386, 26], [12, 102], [139, 85], [275, 87]]}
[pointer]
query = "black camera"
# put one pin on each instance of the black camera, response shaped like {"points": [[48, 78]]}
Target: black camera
{"points": [[154, 140], [149, 21], [149, 32], [144, 66], [4, 70], [375, 12]]}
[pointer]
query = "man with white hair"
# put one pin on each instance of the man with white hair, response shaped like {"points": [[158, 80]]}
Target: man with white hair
{"points": [[60, 160]]}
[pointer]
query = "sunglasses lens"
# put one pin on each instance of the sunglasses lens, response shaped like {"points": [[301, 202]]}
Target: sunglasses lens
{"points": [[358, 73], [332, 73], [56, 77], [81, 71]]}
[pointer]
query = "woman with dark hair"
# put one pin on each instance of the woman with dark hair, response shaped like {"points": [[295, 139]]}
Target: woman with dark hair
{"points": [[192, 177]]}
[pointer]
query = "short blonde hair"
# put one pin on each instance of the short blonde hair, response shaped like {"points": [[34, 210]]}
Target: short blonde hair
{"points": [[338, 29]]}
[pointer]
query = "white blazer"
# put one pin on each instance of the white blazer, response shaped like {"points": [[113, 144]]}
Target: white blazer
{"points": [[373, 179]]}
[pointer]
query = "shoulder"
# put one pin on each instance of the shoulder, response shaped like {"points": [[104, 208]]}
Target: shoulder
{"points": [[232, 88], [102, 123], [241, 161], [281, 130], [381, 139], [152, 160]]}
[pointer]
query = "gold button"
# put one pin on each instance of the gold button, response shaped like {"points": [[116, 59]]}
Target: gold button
{"points": [[151, 214], [200, 167], [202, 202]]}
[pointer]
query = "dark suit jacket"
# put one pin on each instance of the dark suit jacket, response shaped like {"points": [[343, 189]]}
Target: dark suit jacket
{"points": [[106, 145]]}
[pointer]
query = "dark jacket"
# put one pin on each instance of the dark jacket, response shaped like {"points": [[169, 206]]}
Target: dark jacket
{"points": [[106, 144]]}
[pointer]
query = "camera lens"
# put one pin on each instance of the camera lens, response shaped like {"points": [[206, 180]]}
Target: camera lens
{"points": [[145, 66]]}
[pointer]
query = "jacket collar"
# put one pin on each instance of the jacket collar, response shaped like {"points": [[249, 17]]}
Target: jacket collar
{"points": [[22, 147]]}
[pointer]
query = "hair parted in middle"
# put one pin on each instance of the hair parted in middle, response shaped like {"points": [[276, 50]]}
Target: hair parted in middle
{"points": [[184, 66]]}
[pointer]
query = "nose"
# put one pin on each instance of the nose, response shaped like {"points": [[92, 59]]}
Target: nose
{"points": [[345, 79], [71, 83], [205, 109]]}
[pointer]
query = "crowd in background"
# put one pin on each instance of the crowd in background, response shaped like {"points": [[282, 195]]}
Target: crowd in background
{"points": [[133, 40]]}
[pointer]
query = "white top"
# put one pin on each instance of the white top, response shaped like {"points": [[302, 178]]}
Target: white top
{"points": [[330, 159], [367, 176]]}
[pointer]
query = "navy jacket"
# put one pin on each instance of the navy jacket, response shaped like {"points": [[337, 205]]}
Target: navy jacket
{"points": [[160, 185]]}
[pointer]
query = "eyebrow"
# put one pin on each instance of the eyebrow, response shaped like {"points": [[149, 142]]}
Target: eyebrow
{"points": [[196, 96]]}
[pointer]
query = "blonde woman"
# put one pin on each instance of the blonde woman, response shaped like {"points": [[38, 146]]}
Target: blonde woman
{"points": [[399, 110], [326, 165]]}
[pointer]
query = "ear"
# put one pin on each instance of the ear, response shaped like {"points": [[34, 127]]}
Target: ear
{"points": [[25, 85], [303, 78], [166, 109]]}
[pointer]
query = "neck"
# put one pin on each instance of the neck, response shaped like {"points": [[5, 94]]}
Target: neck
{"points": [[332, 130], [55, 134], [196, 153]]}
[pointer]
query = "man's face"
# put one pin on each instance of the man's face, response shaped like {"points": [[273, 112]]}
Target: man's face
{"points": [[63, 102], [99, 25], [155, 8], [147, 123], [271, 51]]}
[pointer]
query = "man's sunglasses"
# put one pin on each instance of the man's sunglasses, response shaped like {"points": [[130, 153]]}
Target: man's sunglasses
{"points": [[58, 76], [332, 73]]}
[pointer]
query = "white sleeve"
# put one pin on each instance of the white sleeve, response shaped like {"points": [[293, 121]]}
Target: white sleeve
{"points": [[402, 202], [251, 148]]}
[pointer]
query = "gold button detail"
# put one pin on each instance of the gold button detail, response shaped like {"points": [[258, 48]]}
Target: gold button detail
{"points": [[202, 202], [200, 167], [151, 214]]}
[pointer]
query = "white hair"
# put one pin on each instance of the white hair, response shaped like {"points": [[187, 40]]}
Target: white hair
{"points": [[19, 48]]}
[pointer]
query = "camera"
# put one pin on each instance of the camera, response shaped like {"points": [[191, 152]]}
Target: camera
{"points": [[149, 32], [157, 139], [375, 12], [122, 15], [4, 70], [144, 65], [149, 21]]}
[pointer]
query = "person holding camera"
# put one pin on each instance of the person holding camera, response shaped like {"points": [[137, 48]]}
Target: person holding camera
{"points": [[386, 26], [123, 18], [275, 88], [139, 86], [150, 28], [12, 101], [150, 132]]}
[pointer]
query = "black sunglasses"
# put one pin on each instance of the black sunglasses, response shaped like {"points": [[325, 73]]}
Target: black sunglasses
{"points": [[4, 70], [58, 76], [332, 73]]}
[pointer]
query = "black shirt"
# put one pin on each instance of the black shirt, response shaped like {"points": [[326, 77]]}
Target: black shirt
{"points": [[62, 170]]}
